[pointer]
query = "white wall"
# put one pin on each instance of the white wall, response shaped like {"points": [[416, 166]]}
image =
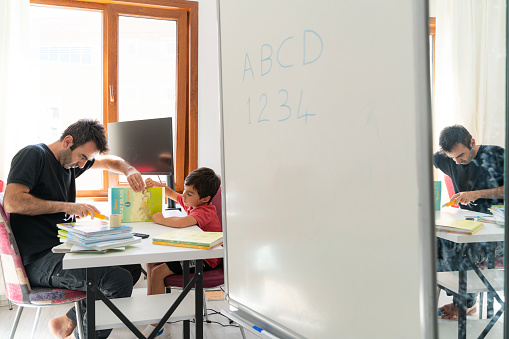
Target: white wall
{"points": [[209, 131]]}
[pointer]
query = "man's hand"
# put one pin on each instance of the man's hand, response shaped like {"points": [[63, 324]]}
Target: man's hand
{"points": [[81, 210], [465, 197], [135, 181], [158, 218]]}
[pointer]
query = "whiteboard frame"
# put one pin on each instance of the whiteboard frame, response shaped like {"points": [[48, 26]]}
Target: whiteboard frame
{"points": [[426, 218]]}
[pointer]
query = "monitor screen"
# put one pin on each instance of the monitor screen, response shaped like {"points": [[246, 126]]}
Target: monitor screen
{"points": [[145, 144]]}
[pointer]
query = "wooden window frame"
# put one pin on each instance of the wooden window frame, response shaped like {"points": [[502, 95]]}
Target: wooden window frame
{"points": [[186, 116]]}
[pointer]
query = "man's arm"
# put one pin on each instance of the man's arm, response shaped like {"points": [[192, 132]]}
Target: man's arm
{"points": [[466, 197], [118, 165], [17, 199]]}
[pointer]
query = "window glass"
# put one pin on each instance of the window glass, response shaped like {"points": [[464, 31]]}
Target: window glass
{"points": [[147, 63], [65, 76]]}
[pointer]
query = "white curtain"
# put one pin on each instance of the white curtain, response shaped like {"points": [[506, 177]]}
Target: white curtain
{"points": [[13, 75], [470, 62], [14, 64]]}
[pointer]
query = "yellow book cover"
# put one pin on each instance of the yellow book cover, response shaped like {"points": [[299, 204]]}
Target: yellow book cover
{"points": [[190, 238], [459, 225], [185, 245]]}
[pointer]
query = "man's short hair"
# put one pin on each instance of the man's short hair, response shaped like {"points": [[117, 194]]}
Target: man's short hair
{"points": [[205, 181], [453, 135], [85, 130]]}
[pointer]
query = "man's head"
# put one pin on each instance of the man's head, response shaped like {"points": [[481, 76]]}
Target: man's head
{"points": [[81, 142], [200, 187], [457, 143]]}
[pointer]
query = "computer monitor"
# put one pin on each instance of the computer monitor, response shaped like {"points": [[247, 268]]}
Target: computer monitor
{"points": [[145, 144]]}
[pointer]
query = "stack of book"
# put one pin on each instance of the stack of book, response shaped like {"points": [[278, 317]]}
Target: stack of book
{"points": [[96, 236], [458, 226], [498, 212], [191, 239]]}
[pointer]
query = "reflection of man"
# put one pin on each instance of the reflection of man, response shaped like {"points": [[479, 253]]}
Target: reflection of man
{"points": [[477, 173], [41, 192]]}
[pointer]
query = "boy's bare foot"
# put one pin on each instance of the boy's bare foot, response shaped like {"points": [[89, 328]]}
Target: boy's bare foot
{"points": [[450, 311], [61, 327]]}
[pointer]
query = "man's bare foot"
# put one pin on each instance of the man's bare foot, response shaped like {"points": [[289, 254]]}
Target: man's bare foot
{"points": [[450, 311], [71, 336], [61, 327]]}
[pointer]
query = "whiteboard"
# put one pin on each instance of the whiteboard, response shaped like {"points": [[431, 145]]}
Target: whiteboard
{"points": [[326, 154]]}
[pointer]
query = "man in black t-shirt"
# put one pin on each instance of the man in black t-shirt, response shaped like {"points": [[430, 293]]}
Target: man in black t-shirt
{"points": [[41, 192], [477, 174]]}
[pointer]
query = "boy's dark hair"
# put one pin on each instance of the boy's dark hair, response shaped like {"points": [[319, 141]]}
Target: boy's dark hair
{"points": [[204, 181], [85, 130], [453, 135]]}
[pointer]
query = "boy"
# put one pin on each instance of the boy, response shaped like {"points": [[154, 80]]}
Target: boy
{"points": [[200, 187]]}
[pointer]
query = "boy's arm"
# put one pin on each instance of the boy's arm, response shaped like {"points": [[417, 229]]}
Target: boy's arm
{"points": [[178, 222], [168, 192]]}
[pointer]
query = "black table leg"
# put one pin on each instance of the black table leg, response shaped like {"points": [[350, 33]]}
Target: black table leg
{"points": [[491, 296], [91, 281], [462, 296], [185, 271], [199, 299]]}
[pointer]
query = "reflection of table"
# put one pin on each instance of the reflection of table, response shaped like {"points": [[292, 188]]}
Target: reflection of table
{"points": [[490, 233], [144, 252]]}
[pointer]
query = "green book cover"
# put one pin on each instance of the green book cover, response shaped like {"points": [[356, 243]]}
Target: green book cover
{"points": [[438, 194], [136, 206]]}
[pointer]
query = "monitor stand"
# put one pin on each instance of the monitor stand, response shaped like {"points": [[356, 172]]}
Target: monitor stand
{"points": [[171, 184]]}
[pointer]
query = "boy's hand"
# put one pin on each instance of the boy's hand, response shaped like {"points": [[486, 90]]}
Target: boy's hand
{"points": [[158, 218], [151, 183]]}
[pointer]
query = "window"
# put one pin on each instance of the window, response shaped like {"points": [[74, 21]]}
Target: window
{"points": [[115, 61]]}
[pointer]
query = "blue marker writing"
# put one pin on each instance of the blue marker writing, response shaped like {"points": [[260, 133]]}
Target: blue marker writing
{"points": [[265, 333]]}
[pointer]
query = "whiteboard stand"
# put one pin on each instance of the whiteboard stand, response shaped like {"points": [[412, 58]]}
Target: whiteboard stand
{"points": [[247, 321]]}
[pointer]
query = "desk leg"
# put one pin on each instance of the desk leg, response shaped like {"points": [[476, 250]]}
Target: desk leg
{"points": [[462, 296], [491, 296], [185, 271], [91, 281], [199, 300]]}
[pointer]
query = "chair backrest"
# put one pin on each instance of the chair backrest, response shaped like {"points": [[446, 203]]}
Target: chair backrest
{"points": [[16, 282], [216, 201], [450, 187]]}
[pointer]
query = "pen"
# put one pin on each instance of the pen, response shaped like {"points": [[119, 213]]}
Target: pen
{"points": [[265, 333]]}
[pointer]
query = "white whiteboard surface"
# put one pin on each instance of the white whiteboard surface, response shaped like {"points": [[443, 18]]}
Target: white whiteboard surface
{"points": [[326, 165]]}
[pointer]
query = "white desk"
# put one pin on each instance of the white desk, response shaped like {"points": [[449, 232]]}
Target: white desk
{"points": [[490, 232], [464, 281], [143, 252]]}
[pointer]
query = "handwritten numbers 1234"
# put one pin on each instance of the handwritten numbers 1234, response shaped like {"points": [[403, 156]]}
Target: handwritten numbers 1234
{"points": [[259, 113]]}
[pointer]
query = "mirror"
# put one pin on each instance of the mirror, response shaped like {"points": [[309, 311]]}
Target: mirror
{"points": [[468, 72]]}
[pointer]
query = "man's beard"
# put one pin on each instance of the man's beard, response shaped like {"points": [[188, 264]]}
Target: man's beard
{"points": [[65, 158]]}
